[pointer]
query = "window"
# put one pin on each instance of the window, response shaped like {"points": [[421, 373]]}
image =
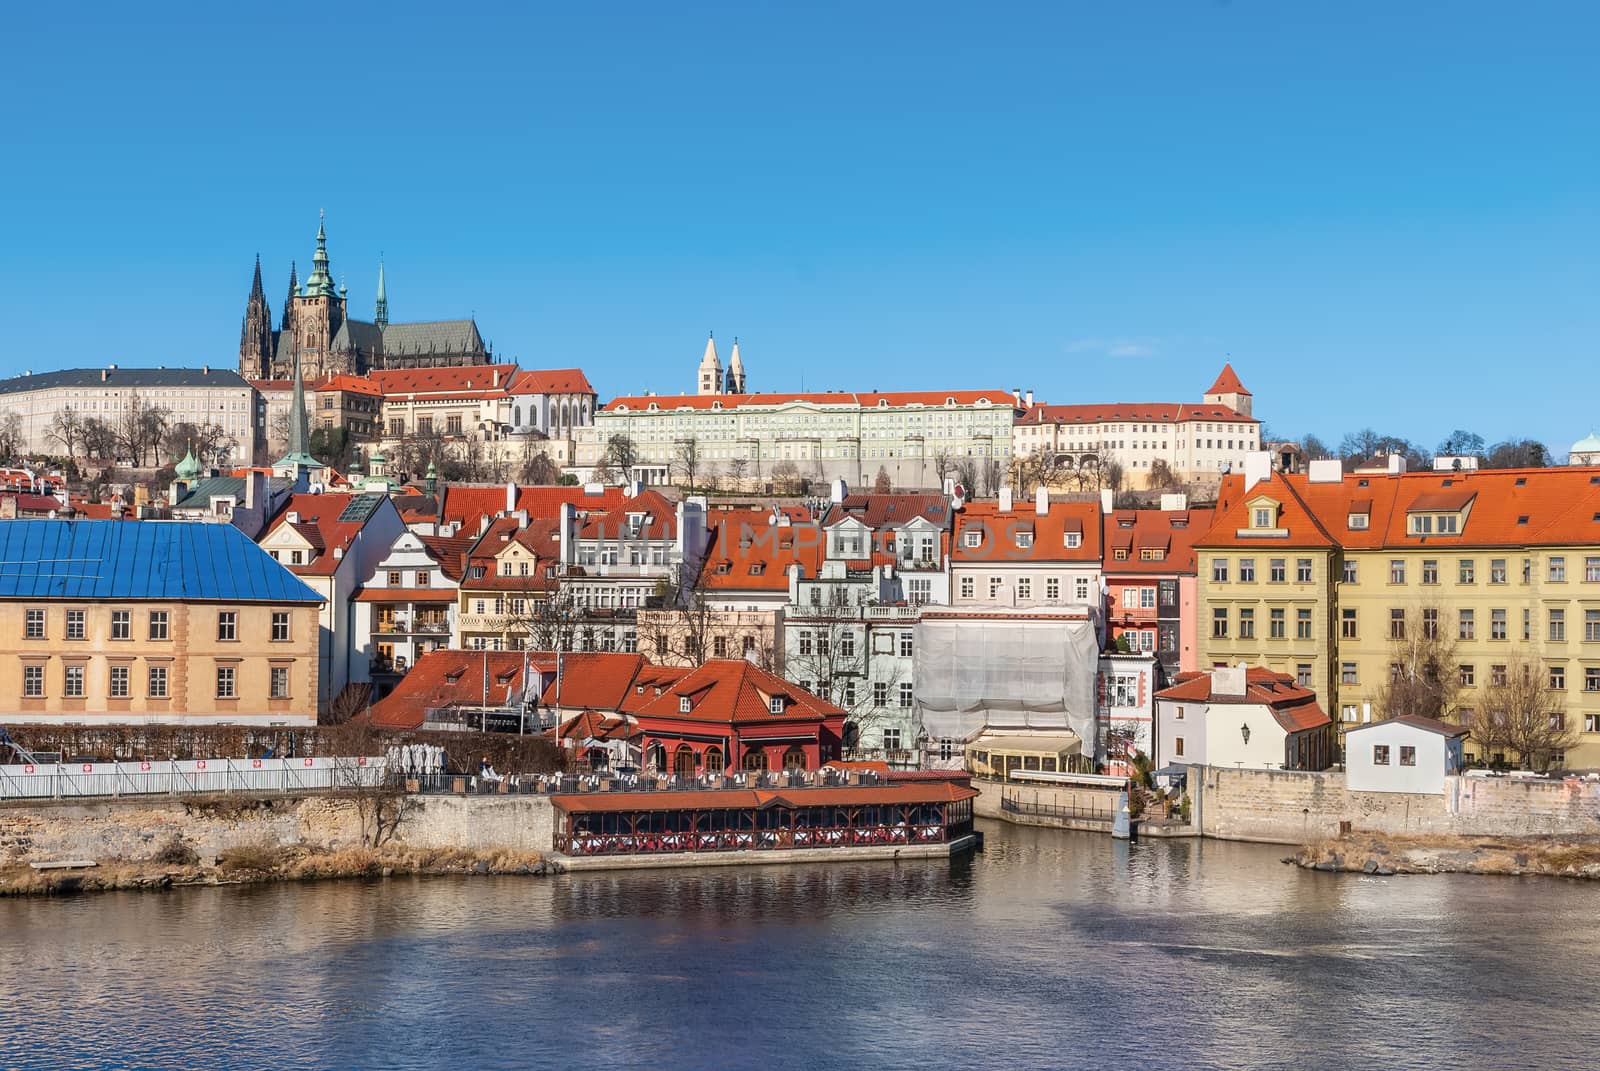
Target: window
{"points": [[75, 625], [452, 424], [1497, 676], [1466, 572], [719, 647], [1558, 626], [1467, 676], [805, 641], [1349, 712], [1430, 570], [905, 694], [1219, 623], [1024, 540], [1177, 745], [1408, 755], [158, 682], [966, 587], [1302, 570], [1466, 625], [1276, 623], [1397, 571], [1347, 673], [1591, 570], [1558, 570], [1497, 570], [906, 639], [1591, 626], [280, 626], [994, 587], [1081, 586], [1302, 624], [1302, 674], [891, 739], [1350, 572], [1380, 754], [1397, 624], [1276, 570], [395, 578], [1024, 588], [1430, 623], [423, 575], [972, 537], [775, 704], [226, 683], [74, 683], [847, 644], [1558, 678], [297, 557], [1219, 570], [425, 425], [880, 693], [1262, 517], [119, 682], [1497, 624], [1247, 570], [1591, 678], [33, 681], [121, 624], [33, 626], [1247, 624], [1591, 723], [1074, 540], [685, 704], [1052, 589], [227, 625]]}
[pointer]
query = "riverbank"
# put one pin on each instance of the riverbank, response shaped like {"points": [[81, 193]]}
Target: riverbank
{"points": [[261, 863], [1385, 854]]}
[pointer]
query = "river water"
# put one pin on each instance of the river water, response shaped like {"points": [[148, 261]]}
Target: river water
{"points": [[1050, 950]]}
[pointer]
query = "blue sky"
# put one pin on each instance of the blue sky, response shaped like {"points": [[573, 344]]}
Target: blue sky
{"points": [[1385, 214]]}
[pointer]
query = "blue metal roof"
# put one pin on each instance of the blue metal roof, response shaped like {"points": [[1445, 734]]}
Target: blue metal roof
{"points": [[167, 560]]}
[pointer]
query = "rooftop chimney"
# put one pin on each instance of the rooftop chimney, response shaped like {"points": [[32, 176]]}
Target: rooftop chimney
{"points": [[1028, 399], [1005, 499], [1257, 468], [1041, 500], [511, 496]]}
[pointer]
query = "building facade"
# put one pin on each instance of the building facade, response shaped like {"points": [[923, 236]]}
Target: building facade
{"points": [[1151, 585], [174, 623]]}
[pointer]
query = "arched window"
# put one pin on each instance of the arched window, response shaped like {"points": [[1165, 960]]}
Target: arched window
{"points": [[683, 762], [516, 416], [852, 734], [598, 759], [794, 758], [712, 759], [657, 758], [755, 760]]}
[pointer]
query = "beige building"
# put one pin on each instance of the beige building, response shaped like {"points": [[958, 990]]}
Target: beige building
{"points": [[172, 622]]}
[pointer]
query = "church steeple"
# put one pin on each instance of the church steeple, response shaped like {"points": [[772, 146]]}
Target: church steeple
{"points": [[319, 283], [255, 335], [299, 458], [381, 315], [735, 378], [288, 302], [710, 368]]}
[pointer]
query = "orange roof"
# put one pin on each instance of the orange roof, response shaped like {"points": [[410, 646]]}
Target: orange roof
{"points": [[597, 680], [1132, 412], [466, 504], [1496, 507], [732, 690], [598, 725], [319, 525], [905, 792], [1174, 532], [748, 556], [643, 402], [553, 381], [343, 381], [1003, 534], [442, 678], [889, 511], [463, 379], [1293, 707], [1228, 382], [450, 552]]}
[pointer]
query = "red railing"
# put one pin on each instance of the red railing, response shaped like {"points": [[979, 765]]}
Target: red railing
{"points": [[746, 840]]}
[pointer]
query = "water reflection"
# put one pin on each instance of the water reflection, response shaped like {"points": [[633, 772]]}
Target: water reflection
{"points": [[1050, 950]]}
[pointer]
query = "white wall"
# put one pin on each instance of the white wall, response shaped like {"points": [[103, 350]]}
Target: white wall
{"points": [[1176, 720], [1363, 775]]}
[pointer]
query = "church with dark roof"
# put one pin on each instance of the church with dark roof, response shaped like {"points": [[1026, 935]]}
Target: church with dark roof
{"points": [[317, 329]]}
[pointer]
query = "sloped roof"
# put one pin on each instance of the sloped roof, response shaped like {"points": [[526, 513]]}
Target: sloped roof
{"points": [[176, 560], [125, 378], [551, 381], [643, 402], [1049, 531], [891, 510], [1173, 531], [443, 678], [450, 552], [1416, 721], [432, 336], [466, 504], [1132, 412], [452, 380], [1293, 707], [320, 524], [750, 556], [732, 690], [596, 680], [1227, 382]]}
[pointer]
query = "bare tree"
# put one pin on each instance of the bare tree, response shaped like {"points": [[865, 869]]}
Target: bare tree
{"points": [[141, 429], [623, 456], [965, 470], [786, 477], [737, 468], [99, 440], [831, 655], [1111, 475], [686, 461], [992, 475], [66, 428], [537, 468], [1523, 715], [1161, 475], [11, 444], [210, 442], [1424, 677]]}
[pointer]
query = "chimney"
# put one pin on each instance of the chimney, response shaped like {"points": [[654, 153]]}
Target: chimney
{"points": [[338, 554], [511, 496], [1028, 399], [837, 490], [1005, 499], [1016, 397], [1174, 502], [1397, 464], [1325, 470], [255, 490], [293, 517], [496, 381], [1041, 501], [1257, 468], [1108, 499], [1229, 680], [105, 374], [205, 369]]}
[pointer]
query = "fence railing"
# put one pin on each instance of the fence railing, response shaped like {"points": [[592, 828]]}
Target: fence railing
{"points": [[75, 780], [745, 840], [1092, 811]]}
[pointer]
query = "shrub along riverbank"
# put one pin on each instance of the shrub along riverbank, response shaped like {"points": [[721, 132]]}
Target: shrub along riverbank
{"points": [[1382, 855]]}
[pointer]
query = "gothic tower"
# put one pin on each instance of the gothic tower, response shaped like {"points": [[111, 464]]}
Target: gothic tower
{"points": [[318, 313], [255, 336], [710, 369], [381, 315], [735, 377]]}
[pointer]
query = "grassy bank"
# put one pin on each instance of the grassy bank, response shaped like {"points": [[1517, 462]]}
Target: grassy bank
{"points": [[264, 863], [1380, 854]]}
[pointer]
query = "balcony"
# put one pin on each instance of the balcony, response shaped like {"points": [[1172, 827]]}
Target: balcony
{"points": [[919, 565], [393, 627]]}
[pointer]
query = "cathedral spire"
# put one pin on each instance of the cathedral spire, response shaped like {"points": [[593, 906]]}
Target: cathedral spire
{"points": [[255, 334], [256, 291], [710, 368], [299, 458], [381, 316], [735, 378], [320, 283], [288, 302]]}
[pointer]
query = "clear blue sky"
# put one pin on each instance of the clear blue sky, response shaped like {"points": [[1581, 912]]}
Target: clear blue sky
{"points": [[1385, 213]]}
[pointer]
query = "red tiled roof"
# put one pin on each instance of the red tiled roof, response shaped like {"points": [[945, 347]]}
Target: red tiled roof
{"points": [[1228, 382], [750, 556], [551, 381], [464, 504], [932, 398], [1136, 530], [889, 511], [450, 552], [904, 793], [343, 381], [731, 690], [460, 380], [1131, 412], [320, 526], [1049, 532], [598, 725], [442, 678], [597, 680], [1293, 707]]}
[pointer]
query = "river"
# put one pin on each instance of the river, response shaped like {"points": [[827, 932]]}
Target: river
{"points": [[1050, 950]]}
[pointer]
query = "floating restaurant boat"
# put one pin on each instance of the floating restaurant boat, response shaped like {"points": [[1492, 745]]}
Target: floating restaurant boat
{"points": [[924, 817]]}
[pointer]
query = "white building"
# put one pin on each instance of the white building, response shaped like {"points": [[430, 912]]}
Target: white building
{"points": [[1197, 443], [1251, 718], [1029, 554], [1407, 754], [407, 607], [1126, 707], [195, 396]]}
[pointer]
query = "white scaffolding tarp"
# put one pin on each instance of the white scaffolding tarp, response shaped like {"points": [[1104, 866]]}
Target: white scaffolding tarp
{"points": [[974, 673]]}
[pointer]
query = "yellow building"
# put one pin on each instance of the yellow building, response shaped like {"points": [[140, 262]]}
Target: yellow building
{"points": [[1500, 564], [140, 621]]}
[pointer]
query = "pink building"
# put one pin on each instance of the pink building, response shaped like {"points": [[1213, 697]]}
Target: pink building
{"points": [[1152, 590]]}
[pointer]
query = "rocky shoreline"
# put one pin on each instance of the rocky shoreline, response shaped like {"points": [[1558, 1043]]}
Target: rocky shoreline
{"points": [[267, 863], [1382, 855]]}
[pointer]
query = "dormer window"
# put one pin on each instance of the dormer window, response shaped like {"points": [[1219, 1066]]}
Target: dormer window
{"points": [[1120, 554], [1261, 517], [757, 568], [1153, 554], [1073, 540], [972, 537], [1024, 540], [723, 568], [685, 704], [1357, 521], [775, 704]]}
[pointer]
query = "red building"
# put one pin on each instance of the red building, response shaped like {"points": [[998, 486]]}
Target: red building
{"points": [[1152, 592]]}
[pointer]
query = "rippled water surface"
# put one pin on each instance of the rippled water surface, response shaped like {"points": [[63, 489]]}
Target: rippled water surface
{"points": [[1050, 950]]}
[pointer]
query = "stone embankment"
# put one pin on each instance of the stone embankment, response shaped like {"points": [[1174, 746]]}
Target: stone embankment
{"points": [[152, 844], [1383, 855]]}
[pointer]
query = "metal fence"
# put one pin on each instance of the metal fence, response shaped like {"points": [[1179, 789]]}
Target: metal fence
{"points": [[1093, 811], [74, 780]]}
